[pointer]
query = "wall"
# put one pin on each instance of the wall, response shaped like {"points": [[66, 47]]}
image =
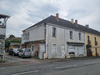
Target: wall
{"points": [[61, 40], [92, 36], [37, 33], [2, 31]]}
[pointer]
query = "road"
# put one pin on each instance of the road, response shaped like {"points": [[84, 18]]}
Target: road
{"points": [[70, 67]]}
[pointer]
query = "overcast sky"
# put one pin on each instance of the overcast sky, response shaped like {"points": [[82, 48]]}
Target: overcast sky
{"points": [[25, 13]]}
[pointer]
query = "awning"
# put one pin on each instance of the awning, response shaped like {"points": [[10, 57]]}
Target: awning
{"points": [[75, 44]]}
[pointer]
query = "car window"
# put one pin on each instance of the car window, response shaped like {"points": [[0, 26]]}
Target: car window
{"points": [[27, 50], [20, 50]]}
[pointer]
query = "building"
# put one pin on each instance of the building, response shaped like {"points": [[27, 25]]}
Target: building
{"points": [[56, 38], [3, 20], [92, 42]]}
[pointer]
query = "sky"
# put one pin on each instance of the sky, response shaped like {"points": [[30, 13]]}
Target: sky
{"points": [[25, 13]]}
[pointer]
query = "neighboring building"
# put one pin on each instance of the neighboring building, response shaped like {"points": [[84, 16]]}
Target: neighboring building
{"points": [[56, 37], [3, 20], [12, 39], [92, 42]]}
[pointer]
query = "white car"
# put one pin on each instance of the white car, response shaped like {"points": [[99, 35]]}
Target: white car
{"points": [[25, 53], [15, 51]]}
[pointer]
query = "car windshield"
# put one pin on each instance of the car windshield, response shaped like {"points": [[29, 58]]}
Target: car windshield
{"points": [[27, 50], [20, 50]]}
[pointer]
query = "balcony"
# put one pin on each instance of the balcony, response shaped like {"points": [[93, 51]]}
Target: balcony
{"points": [[89, 42], [96, 43]]}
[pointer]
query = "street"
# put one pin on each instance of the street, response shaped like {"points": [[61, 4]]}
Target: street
{"points": [[87, 66]]}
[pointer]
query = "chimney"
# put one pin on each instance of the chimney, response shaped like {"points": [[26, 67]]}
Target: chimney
{"points": [[76, 21], [57, 16], [72, 21], [87, 26]]}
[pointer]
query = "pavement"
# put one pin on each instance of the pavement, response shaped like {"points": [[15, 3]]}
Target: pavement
{"points": [[74, 66], [15, 60]]}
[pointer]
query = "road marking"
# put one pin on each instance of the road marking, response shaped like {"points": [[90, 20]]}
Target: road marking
{"points": [[26, 72], [65, 66]]}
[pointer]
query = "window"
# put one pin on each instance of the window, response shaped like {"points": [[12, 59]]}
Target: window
{"points": [[53, 48], [79, 36], [95, 39], [88, 38], [53, 32], [71, 35]]}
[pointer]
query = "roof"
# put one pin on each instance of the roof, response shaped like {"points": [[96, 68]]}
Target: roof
{"points": [[4, 16], [66, 23]]}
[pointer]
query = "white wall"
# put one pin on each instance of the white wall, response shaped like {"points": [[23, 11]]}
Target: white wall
{"points": [[63, 36], [75, 36], [37, 33], [33, 34], [59, 41], [2, 31]]}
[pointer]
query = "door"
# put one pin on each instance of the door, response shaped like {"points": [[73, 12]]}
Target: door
{"points": [[71, 50], [79, 51], [63, 51], [32, 50], [42, 50]]}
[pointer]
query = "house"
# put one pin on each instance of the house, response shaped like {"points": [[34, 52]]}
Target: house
{"points": [[92, 42], [3, 20], [56, 38]]}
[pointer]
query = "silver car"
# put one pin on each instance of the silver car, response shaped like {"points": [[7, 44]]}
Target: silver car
{"points": [[24, 53]]}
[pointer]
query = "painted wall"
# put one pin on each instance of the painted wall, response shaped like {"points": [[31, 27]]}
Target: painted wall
{"points": [[75, 39], [37, 33], [58, 40], [61, 40], [33, 34], [92, 39]]}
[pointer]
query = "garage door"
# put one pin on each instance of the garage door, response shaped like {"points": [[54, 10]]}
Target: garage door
{"points": [[79, 51], [71, 49]]}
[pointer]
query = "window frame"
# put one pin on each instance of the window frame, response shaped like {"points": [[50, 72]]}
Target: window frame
{"points": [[71, 35], [80, 36], [54, 32]]}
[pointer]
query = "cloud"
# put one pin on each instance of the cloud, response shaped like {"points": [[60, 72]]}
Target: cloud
{"points": [[25, 13]]}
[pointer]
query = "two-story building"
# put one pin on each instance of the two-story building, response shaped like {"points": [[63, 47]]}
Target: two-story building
{"points": [[92, 42], [56, 37]]}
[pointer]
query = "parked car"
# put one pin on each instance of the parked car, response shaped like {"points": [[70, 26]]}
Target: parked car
{"points": [[24, 53], [13, 51]]}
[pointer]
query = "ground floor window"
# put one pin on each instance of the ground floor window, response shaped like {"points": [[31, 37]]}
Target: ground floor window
{"points": [[54, 48]]}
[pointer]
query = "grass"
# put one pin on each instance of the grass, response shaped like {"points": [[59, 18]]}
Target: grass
{"points": [[3, 61]]}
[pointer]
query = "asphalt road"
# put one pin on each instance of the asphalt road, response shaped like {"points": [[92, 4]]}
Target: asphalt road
{"points": [[71, 67]]}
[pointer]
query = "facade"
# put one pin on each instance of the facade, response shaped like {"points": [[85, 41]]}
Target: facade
{"points": [[67, 42], [3, 20], [92, 44], [56, 38]]}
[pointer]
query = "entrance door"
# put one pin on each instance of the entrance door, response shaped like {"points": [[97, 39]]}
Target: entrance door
{"points": [[63, 51], [79, 51], [32, 49], [42, 50]]}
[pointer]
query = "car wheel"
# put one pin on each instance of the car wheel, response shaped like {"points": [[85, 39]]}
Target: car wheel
{"points": [[14, 54], [22, 56]]}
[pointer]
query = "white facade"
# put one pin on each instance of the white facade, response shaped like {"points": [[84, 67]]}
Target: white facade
{"points": [[56, 47], [61, 41], [33, 34]]}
